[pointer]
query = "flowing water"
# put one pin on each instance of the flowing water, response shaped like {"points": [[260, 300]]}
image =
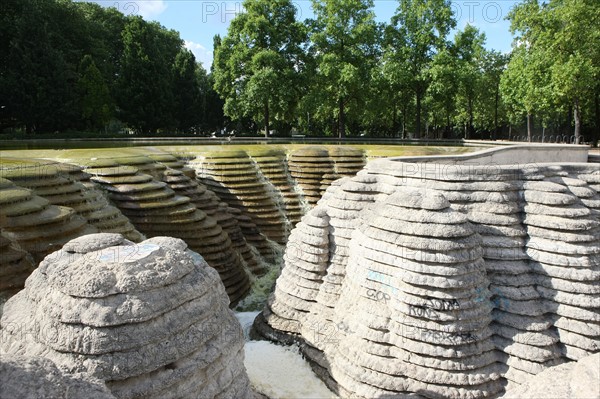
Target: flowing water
{"points": [[279, 371]]}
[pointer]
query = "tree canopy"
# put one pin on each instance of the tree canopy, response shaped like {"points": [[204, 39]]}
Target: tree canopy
{"points": [[259, 64], [78, 66]]}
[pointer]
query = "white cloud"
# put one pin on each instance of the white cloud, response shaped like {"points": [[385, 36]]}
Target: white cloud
{"points": [[190, 45], [149, 9], [200, 52]]}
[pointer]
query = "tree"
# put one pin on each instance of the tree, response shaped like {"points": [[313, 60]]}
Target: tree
{"points": [[573, 41], [39, 58], [186, 91], [396, 76], [491, 107], [560, 42], [145, 95], [422, 26], [344, 46], [524, 86], [443, 88], [257, 64], [95, 101], [469, 53], [104, 30]]}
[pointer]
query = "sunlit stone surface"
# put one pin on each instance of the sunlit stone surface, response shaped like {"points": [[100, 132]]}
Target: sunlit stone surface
{"points": [[36, 377], [36, 225], [149, 319], [443, 280]]}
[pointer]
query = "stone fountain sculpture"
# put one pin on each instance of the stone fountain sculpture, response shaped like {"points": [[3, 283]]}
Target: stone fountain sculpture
{"points": [[151, 320], [443, 280], [36, 377]]}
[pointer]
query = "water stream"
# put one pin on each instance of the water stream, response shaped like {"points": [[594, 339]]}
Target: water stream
{"points": [[279, 371]]}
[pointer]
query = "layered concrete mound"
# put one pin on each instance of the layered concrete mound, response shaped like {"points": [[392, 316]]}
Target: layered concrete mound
{"points": [[237, 180], [68, 186], [273, 165], [209, 203], [157, 210], [36, 377], [567, 381], [36, 225], [315, 168], [443, 280], [149, 319], [15, 266]]}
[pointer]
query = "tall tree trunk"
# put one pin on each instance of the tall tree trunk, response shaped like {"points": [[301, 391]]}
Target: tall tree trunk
{"points": [[569, 119], [342, 120], [267, 119], [470, 132], [404, 112], [529, 126], [418, 118], [446, 133], [496, 99], [395, 120], [577, 118]]}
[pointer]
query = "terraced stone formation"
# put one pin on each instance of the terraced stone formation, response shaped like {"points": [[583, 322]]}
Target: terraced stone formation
{"points": [[316, 167], [36, 377], [236, 208], [37, 226], [15, 266], [156, 210], [225, 216], [442, 280], [237, 180], [68, 186], [273, 166], [151, 320]]}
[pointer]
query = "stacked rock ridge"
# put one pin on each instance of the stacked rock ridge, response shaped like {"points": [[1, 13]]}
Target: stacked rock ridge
{"points": [[239, 182], [572, 380], [15, 266], [209, 203], [315, 168], [273, 166], [443, 280], [37, 226], [149, 319], [157, 210], [67, 185], [36, 377]]}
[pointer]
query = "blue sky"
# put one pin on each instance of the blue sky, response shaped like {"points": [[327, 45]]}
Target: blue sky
{"points": [[199, 20]]}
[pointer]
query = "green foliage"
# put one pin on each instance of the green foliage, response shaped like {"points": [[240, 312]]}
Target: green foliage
{"points": [[144, 85], [418, 30], [67, 65], [37, 64], [95, 100], [258, 65], [442, 91], [490, 110], [469, 54], [556, 60], [343, 38]]}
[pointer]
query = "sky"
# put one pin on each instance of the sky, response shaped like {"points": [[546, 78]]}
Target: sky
{"points": [[199, 20]]}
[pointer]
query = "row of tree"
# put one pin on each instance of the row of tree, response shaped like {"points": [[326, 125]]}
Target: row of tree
{"points": [[80, 66], [344, 72]]}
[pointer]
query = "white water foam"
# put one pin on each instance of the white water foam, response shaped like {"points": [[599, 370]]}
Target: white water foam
{"points": [[279, 371]]}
